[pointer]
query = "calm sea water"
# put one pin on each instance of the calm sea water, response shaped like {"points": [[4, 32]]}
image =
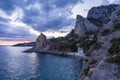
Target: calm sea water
{"points": [[16, 65]]}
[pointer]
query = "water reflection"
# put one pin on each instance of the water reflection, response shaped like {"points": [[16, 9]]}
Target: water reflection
{"points": [[16, 65]]}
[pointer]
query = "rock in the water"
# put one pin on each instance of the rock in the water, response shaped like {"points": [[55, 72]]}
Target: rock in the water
{"points": [[41, 42], [83, 25]]}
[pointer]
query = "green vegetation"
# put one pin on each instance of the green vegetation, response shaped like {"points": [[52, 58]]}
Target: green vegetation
{"points": [[105, 32], [88, 41], [117, 26], [64, 44], [115, 59], [86, 70], [69, 43], [115, 47], [91, 33], [114, 51], [97, 22], [96, 46], [93, 61]]}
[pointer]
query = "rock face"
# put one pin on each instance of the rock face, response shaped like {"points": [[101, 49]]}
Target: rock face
{"points": [[102, 48], [103, 63], [83, 25], [101, 15], [41, 42]]}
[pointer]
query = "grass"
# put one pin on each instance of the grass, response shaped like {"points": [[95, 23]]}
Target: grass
{"points": [[93, 61]]}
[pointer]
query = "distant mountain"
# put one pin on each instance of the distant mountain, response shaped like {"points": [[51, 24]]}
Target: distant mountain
{"points": [[26, 44]]}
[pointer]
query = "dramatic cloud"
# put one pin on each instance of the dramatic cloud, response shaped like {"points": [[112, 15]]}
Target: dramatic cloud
{"points": [[25, 19]]}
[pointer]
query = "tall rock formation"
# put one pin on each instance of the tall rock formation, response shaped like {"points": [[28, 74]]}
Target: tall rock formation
{"points": [[83, 25], [41, 42], [104, 54], [101, 15]]}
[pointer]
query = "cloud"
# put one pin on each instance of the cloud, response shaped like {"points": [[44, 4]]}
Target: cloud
{"points": [[50, 16], [63, 3], [12, 27], [114, 1], [20, 19], [83, 8]]}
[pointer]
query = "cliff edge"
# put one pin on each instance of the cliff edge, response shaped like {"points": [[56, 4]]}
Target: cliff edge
{"points": [[104, 53]]}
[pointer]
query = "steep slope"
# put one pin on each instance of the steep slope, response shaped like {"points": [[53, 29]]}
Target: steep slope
{"points": [[104, 61], [83, 25]]}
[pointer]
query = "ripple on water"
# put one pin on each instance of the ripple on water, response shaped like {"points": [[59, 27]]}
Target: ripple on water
{"points": [[16, 65]]}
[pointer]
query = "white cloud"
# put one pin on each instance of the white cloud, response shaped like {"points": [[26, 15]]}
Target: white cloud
{"points": [[39, 19], [34, 32], [25, 26], [112, 1], [55, 34], [14, 18], [15, 21], [17, 14], [35, 5], [83, 8], [3, 14], [58, 33], [60, 12]]}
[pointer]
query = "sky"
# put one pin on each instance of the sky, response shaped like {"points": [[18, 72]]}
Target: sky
{"points": [[24, 20]]}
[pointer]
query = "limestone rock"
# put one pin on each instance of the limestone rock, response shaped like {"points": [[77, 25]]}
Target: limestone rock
{"points": [[40, 42], [103, 69], [83, 25], [101, 15]]}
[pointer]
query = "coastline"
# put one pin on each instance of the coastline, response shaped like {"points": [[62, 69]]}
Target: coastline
{"points": [[72, 54]]}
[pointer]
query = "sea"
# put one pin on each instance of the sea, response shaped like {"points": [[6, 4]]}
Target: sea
{"points": [[17, 65]]}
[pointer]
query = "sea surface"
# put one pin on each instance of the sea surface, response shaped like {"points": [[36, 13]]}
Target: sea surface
{"points": [[16, 65]]}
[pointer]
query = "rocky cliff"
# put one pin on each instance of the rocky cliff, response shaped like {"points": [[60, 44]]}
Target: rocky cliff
{"points": [[83, 26], [104, 53], [41, 42], [101, 15], [99, 36], [58, 46]]}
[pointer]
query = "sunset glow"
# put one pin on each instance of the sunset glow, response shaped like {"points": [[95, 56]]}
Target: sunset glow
{"points": [[12, 42]]}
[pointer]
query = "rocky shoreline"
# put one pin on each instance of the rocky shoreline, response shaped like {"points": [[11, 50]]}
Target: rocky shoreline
{"points": [[50, 52], [98, 35]]}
